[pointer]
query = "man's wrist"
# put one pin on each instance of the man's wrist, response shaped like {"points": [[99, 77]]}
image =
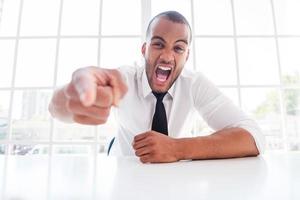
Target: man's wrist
{"points": [[179, 149]]}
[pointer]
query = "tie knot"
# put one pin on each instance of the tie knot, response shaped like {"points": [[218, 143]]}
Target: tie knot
{"points": [[159, 96]]}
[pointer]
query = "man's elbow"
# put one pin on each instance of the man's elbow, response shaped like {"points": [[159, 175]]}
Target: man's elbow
{"points": [[250, 144]]}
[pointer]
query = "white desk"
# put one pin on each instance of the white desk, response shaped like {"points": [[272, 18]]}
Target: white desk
{"points": [[272, 176]]}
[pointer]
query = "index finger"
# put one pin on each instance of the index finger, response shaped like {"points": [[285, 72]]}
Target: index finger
{"points": [[85, 86], [140, 136]]}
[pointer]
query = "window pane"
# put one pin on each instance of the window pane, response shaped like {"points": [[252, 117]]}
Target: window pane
{"points": [[7, 48], [190, 62], [73, 132], [20, 149], [116, 52], [4, 109], [274, 143], [9, 18], [35, 64], [21, 183], [2, 162], [30, 117], [262, 104], [184, 7], [80, 17], [73, 149], [213, 17], [253, 17], [216, 59], [292, 117], [128, 15], [74, 54], [40, 17], [290, 60], [287, 16], [257, 59], [2, 152], [38, 149]]}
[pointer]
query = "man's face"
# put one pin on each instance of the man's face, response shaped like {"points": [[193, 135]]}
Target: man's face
{"points": [[166, 52]]}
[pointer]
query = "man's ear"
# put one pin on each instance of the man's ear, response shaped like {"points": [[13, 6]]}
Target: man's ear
{"points": [[144, 49]]}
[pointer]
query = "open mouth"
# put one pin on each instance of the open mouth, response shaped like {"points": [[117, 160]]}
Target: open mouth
{"points": [[163, 73]]}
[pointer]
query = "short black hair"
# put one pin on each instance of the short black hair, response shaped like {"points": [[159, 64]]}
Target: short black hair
{"points": [[173, 16]]}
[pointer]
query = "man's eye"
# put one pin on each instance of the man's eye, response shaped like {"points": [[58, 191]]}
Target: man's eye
{"points": [[158, 45], [179, 49]]}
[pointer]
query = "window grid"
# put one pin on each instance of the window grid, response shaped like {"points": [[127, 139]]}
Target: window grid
{"points": [[236, 53], [54, 86], [95, 128], [193, 33], [8, 147], [146, 13], [1, 9], [281, 99], [14, 76]]}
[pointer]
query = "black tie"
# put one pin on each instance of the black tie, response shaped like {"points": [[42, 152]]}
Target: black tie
{"points": [[159, 122]]}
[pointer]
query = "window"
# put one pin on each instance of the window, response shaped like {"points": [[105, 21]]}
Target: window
{"points": [[248, 48]]}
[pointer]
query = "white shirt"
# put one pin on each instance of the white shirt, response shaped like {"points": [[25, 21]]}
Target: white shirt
{"points": [[191, 91]]}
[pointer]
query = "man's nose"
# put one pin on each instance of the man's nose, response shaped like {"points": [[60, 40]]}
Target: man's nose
{"points": [[167, 56]]}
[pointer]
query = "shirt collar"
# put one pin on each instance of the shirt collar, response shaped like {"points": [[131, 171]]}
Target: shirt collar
{"points": [[146, 89]]}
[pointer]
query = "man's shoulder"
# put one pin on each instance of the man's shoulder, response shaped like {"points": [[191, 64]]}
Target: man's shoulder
{"points": [[194, 80], [191, 75]]}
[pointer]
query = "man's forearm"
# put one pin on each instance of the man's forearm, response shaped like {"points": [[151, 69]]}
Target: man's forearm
{"points": [[226, 143]]}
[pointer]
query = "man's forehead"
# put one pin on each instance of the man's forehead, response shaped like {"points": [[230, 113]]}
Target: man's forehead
{"points": [[162, 27], [161, 23]]}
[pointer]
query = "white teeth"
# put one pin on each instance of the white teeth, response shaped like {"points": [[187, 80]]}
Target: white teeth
{"points": [[164, 68]]}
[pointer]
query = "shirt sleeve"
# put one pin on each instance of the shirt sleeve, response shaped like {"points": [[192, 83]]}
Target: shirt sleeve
{"points": [[219, 111]]}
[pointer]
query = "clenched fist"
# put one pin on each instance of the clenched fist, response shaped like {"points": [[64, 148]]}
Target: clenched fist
{"points": [[154, 147], [88, 98]]}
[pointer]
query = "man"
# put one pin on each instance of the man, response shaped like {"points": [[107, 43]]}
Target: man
{"points": [[159, 99]]}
